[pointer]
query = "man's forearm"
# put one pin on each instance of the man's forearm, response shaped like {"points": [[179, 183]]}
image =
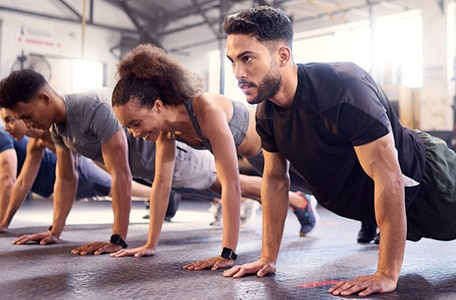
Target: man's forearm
{"points": [[5, 196], [275, 207], [17, 197], [64, 195], [391, 219]]}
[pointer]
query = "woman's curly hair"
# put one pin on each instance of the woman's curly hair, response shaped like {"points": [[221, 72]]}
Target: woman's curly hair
{"points": [[147, 73]]}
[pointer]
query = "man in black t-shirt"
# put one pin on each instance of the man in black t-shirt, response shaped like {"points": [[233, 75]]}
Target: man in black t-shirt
{"points": [[335, 125]]}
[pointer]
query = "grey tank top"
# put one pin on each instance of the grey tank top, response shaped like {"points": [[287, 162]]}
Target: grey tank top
{"points": [[238, 124]]}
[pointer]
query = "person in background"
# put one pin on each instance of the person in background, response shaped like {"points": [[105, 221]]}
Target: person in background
{"points": [[34, 169], [335, 125], [194, 171]]}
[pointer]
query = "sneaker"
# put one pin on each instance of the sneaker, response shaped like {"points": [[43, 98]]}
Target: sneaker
{"points": [[305, 215], [314, 203], [249, 210], [147, 204], [367, 233], [173, 204], [216, 211]]}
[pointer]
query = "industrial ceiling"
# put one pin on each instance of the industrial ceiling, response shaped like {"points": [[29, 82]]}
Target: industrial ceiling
{"points": [[179, 25]]}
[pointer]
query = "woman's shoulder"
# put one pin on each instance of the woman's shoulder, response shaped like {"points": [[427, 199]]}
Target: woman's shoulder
{"points": [[211, 101]]}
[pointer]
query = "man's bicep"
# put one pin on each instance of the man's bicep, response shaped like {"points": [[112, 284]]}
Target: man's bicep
{"points": [[379, 157]]}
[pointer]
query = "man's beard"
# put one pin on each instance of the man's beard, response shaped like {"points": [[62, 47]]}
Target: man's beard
{"points": [[268, 87]]}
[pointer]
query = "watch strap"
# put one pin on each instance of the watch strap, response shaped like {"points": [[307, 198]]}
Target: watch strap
{"points": [[228, 253], [118, 240]]}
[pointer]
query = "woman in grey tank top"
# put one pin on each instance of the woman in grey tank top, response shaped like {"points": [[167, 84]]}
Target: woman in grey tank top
{"points": [[157, 99]]}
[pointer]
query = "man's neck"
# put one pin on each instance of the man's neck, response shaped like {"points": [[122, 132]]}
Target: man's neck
{"points": [[61, 110], [287, 91]]}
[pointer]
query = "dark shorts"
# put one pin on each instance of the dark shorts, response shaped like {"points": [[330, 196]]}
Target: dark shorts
{"points": [[93, 180], [433, 213]]}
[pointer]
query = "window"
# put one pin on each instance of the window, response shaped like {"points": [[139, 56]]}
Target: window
{"points": [[451, 38], [396, 48], [87, 75]]}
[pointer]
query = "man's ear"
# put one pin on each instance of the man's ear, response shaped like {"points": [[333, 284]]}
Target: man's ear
{"points": [[44, 96], [285, 56]]}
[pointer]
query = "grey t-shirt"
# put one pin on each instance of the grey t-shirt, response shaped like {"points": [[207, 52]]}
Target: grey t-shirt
{"points": [[90, 121]]}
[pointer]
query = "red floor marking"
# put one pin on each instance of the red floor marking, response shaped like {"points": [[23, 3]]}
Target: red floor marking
{"points": [[319, 283]]}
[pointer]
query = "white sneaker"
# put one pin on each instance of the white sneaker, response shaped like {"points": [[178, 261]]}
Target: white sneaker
{"points": [[249, 210], [216, 211]]}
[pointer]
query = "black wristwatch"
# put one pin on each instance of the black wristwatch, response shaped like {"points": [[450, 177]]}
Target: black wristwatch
{"points": [[117, 239], [228, 254]]}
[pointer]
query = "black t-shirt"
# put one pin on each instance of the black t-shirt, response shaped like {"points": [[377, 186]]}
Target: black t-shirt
{"points": [[338, 106]]}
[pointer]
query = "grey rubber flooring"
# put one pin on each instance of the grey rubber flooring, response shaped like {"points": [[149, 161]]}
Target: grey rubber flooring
{"points": [[306, 268]]}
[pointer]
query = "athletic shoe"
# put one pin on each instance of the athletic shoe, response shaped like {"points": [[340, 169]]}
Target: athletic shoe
{"points": [[314, 203], [216, 211], [147, 204], [249, 210], [173, 204], [367, 233], [305, 215]]}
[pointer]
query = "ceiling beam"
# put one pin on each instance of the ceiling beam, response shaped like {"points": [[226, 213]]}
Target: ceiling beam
{"points": [[72, 9], [65, 19], [144, 33], [206, 19]]}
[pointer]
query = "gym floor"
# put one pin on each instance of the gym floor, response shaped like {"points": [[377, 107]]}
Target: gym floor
{"points": [[306, 268]]}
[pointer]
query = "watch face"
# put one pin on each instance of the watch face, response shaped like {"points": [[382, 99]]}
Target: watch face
{"points": [[115, 239]]}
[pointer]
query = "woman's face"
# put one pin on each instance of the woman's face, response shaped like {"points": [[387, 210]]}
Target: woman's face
{"points": [[15, 127], [141, 122]]}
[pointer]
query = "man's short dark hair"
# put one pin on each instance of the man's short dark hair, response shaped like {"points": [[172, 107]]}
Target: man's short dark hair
{"points": [[264, 22], [20, 86]]}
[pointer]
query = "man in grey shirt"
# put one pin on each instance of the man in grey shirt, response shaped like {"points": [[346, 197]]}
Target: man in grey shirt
{"points": [[80, 124]]}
